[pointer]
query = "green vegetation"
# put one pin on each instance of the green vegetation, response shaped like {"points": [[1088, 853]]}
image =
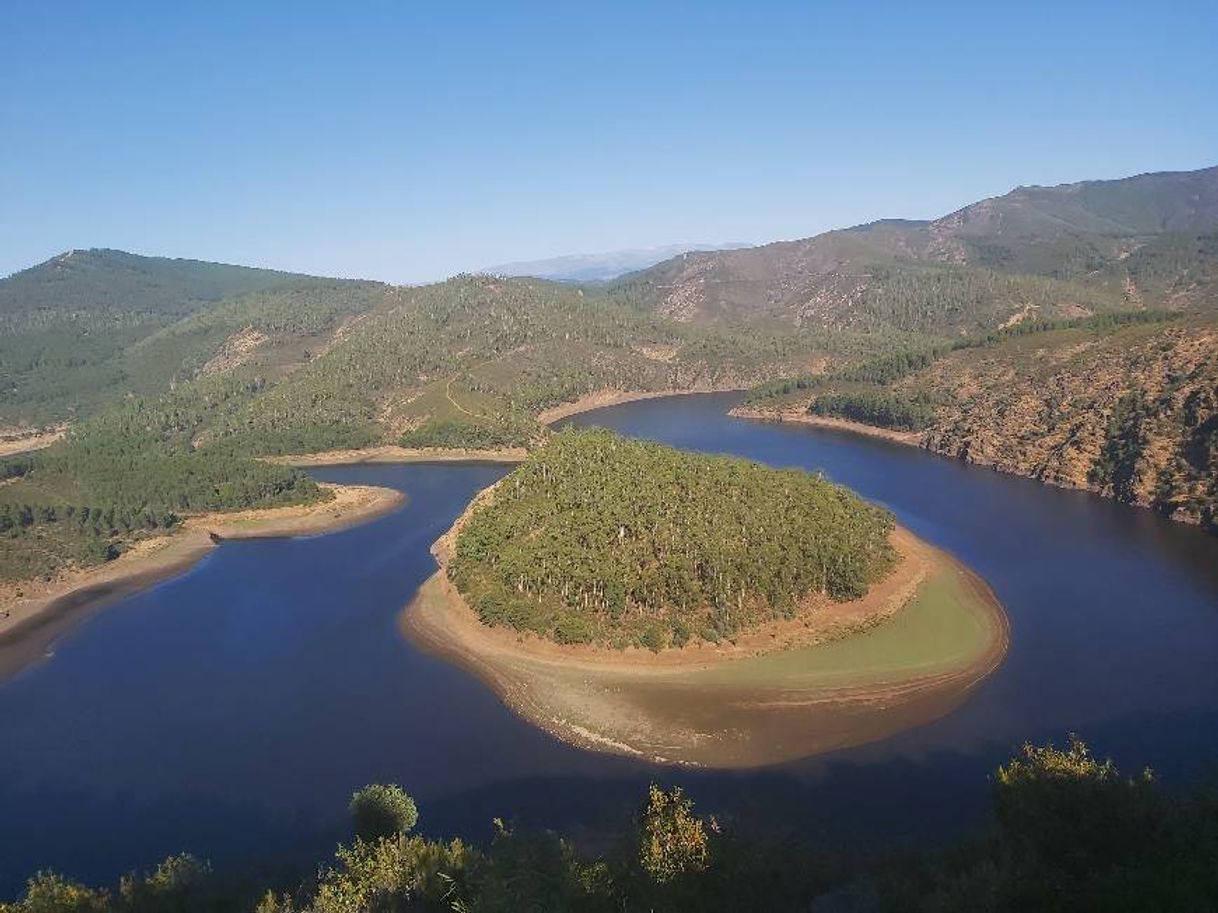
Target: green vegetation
{"points": [[596, 538], [69, 327], [672, 839], [382, 810], [890, 367], [874, 408], [294, 365], [457, 433], [130, 472], [1068, 833]]}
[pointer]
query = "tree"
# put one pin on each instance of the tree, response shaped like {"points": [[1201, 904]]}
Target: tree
{"points": [[672, 839], [1068, 812], [382, 810]]}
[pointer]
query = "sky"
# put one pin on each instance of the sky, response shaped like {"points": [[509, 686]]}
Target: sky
{"points": [[408, 141]]}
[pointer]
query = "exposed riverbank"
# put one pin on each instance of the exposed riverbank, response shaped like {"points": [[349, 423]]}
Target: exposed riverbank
{"points": [[604, 398], [33, 613], [837, 674], [803, 417], [924, 441], [15, 441], [391, 453]]}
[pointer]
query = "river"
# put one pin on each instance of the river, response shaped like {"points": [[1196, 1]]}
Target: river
{"points": [[232, 710]]}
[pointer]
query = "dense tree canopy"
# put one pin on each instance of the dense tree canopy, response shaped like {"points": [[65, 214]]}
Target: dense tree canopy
{"points": [[601, 538]]}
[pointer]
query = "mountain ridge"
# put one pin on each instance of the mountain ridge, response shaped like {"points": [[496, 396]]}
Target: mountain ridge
{"points": [[1067, 243]]}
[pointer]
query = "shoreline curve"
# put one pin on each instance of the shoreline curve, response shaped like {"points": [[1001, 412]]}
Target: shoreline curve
{"points": [[32, 623], [746, 705]]}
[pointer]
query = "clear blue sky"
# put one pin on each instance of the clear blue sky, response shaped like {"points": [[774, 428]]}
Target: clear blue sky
{"points": [[405, 141]]}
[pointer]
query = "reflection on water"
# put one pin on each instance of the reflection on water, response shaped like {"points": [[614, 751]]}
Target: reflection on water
{"points": [[231, 711]]}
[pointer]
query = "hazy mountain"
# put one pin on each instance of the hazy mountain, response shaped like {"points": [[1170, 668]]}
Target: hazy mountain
{"points": [[600, 267]]}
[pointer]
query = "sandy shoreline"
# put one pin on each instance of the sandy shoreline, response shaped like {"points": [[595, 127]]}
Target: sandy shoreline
{"points": [[391, 453], [33, 613], [818, 620], [681, 706], [604, 398], [15, 442], [912, 438]]}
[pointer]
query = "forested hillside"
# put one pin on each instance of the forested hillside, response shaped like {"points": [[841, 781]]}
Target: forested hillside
{"points": [[1039, 252], [174, 374], [597, 538], [1126, 406], [86, 327], [315, 364]]}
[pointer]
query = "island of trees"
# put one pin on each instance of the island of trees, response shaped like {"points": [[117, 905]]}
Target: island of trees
{"points": [[600, 539]]}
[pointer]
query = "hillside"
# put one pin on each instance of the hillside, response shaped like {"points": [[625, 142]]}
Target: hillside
{"points": [[88, 326], [596, 538], [176, 374], [1041, 252], [1126, 407], [320, 364]]}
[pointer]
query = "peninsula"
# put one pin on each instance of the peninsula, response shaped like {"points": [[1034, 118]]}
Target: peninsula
{"points": [[698, 609]]}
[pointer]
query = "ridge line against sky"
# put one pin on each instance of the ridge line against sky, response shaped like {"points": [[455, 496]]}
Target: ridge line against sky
{"points": [[407, 143]]}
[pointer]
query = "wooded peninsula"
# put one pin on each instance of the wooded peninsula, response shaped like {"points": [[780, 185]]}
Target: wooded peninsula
{"points": [[596, 538]]}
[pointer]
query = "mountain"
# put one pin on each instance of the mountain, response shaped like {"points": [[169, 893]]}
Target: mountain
{"points": [[174, 422], [601, 267], [113, 281], [1011, 333], [1169, 201], [88, 326], [1043, 252]]}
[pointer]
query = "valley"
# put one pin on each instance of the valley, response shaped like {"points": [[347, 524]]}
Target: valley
{"points": [[1065, 334]]}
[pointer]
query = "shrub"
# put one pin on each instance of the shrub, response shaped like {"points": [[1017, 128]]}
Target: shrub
{"points": [[382, 810]]}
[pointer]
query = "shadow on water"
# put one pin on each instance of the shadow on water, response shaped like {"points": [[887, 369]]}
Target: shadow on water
{"points": [[232, 710]]}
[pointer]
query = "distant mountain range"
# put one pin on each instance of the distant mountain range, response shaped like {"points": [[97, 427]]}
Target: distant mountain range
{"points": [[601, 267]]}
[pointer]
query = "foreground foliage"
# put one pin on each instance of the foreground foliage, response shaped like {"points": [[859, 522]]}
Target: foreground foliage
{"points": [[1069, 833], [600, 538]]}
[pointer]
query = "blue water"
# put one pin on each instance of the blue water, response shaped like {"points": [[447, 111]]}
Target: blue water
{"points": [[232, 710]]}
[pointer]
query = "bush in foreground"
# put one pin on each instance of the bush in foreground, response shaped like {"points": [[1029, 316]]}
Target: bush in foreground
{"points": [[383, 810], [1070, 833]]}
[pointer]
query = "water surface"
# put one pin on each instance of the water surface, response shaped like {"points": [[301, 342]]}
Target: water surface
{"points": [[231, 711]]}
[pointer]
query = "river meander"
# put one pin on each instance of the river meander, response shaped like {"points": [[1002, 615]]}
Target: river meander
{"points": [[232, 710]]}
